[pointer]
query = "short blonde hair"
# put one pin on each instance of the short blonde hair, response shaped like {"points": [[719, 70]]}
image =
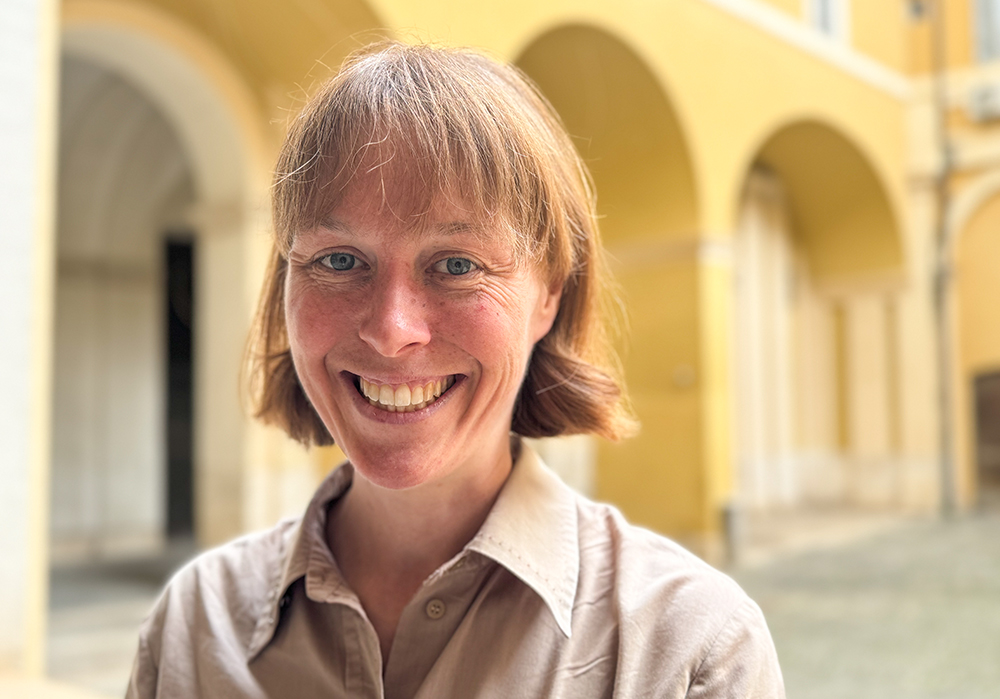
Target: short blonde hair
{"points": [[451, 121]]}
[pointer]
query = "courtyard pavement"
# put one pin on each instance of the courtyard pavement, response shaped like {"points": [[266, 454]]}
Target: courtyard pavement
{"points": [[908, 611], [94, 616]]}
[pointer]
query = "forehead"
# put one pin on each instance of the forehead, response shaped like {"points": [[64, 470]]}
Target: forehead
{"points": [[395, 202]]}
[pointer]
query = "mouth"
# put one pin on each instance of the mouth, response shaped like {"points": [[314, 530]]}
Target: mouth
{"points": [[404, 397]]}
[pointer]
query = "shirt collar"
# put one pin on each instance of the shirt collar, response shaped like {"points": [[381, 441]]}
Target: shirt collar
{"points": [[306, 553], [531, 531]]}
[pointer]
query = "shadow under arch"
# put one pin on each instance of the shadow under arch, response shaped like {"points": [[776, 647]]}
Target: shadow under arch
{"points": [[206, 103], [841, 212], [625, 128]]}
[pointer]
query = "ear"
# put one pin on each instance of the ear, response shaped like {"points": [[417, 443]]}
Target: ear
{"points": [[545, 310]]}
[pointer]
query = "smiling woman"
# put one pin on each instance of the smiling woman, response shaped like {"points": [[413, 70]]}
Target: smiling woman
{"points": [[446, 313], [434, 295]]}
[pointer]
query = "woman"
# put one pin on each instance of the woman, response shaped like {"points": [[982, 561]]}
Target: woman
{"points": [[434, 295]]}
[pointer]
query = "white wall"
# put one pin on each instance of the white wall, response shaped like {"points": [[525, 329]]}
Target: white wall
{"points": [[27, 136]]}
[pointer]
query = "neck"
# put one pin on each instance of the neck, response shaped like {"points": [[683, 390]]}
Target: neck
{"points": [[387, 542]]}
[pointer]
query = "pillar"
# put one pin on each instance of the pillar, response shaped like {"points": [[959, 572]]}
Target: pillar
{"points": [[28, 89]]}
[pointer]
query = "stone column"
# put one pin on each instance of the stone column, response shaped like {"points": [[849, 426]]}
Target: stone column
{"points": [[28, 89]]}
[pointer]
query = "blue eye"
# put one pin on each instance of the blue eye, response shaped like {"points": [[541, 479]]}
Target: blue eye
{"points": [[340, 261], [457, 265]]}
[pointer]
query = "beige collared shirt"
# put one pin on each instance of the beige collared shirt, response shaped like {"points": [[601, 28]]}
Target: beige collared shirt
{"points": [[556, 596]]}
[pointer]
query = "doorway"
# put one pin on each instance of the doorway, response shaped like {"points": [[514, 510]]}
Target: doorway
{"points": [[986, 389], [179, 322]]}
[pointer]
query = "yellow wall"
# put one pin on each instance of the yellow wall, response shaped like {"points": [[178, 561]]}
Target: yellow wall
{"points": [[958, 38], [657, 477], [879, 29], [793, 7]]}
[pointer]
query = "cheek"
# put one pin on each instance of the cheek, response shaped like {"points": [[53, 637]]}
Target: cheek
{"points": [[314, 321], [495, 333]]}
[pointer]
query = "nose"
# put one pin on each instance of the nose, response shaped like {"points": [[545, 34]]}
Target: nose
{"points": [[395, 320]]}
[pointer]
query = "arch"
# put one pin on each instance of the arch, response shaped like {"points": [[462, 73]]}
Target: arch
{"points": [[969, 202], [124, 184], [977, 286], [625, 127], [975, 298], [202, 95], [206, 103], [841, 211], [819, 260]]}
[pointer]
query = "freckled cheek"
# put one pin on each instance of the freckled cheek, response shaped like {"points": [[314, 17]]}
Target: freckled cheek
{"points": [[316, 322], [490, 333]]}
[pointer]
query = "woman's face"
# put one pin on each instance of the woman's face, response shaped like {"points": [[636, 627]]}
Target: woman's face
{"points": [[382, 318]]}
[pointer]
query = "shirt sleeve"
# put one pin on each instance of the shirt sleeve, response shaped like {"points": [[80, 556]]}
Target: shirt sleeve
{"points": [[142, 683], [742, 662]]}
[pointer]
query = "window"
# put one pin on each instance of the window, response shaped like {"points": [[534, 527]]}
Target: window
{"points": [[987, 29], [829, 17]]}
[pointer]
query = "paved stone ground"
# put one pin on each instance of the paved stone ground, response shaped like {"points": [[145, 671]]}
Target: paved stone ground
{"points": [[94, 616], [911, 612]]}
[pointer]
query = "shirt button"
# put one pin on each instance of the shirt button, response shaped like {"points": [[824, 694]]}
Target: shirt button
{"points": [[435, 609]]}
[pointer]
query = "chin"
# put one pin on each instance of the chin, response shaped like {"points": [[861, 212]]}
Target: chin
{"points": [[395, 470]]}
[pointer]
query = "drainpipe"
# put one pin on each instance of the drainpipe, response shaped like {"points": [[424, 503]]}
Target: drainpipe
{"points": [[942, 252]]}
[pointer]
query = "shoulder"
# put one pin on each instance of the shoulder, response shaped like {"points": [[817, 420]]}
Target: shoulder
{"points": [[649, 568], [201, 628], [242, 565], [222, 591], [679, 619]]}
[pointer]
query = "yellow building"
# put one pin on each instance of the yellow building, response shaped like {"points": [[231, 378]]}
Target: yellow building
{"points": [[767, 171]]}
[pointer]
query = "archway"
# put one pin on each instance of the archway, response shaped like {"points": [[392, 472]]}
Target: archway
{"points": [[630, 135], [158, 153], [204, 103], [977, 396], [124, 184], [625, 128], [819, 262]]}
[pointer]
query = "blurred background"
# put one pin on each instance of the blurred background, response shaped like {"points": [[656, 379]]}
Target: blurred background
{"points": [[802, 202]]}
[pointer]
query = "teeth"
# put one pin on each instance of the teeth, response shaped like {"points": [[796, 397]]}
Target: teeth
{"points": [[404, 399], [386, 395], [403, 395]]}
